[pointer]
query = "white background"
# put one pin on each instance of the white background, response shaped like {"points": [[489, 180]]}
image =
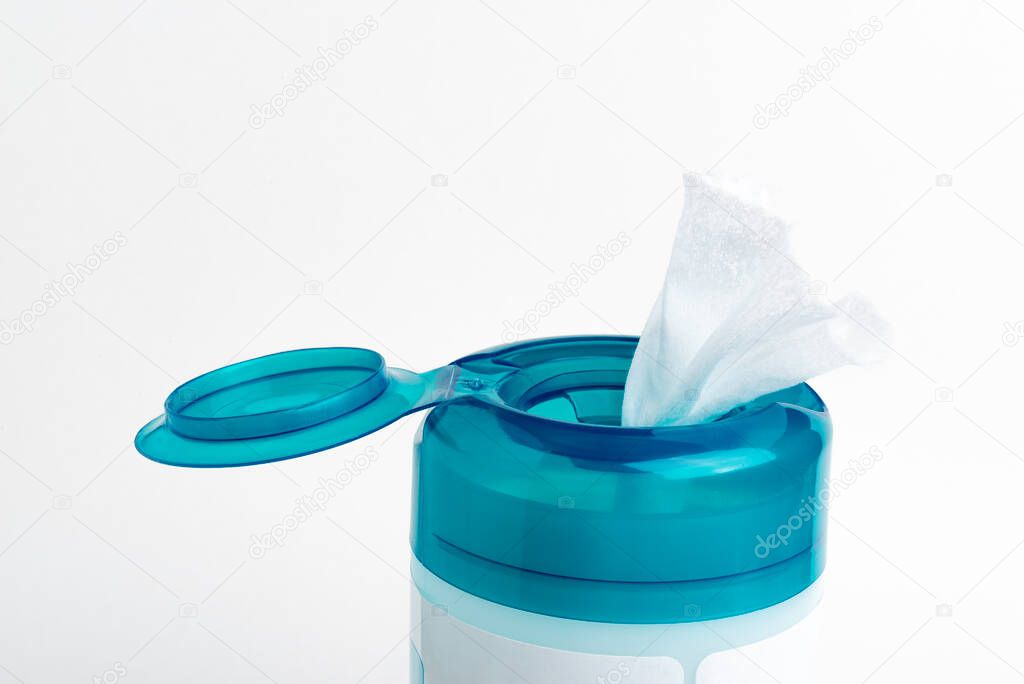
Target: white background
{"points": [[323, 227]]}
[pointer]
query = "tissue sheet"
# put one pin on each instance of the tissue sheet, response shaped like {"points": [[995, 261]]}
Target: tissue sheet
{"points": [[737, 317]]}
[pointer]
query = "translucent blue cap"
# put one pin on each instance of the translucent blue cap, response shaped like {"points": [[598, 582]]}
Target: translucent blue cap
{"points": [[286, 405], [528, 492]]}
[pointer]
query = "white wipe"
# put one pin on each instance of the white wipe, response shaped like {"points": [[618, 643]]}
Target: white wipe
{"points": [[737, 318]]}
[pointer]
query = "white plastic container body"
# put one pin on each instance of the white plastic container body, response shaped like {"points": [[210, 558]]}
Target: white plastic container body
{"points": [[462, 639]]}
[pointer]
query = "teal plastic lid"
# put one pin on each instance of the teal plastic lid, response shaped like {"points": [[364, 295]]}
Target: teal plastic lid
{"points": [[286, 405], [532, 495], [528, 492]]}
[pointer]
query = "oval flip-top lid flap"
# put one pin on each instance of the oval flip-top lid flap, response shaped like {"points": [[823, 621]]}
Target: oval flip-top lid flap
{"points": [[286, 405]]}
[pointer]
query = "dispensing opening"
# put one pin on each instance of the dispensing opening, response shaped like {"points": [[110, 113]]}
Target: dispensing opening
{"points": [[594, 398], [581, 383], [582, 380]]}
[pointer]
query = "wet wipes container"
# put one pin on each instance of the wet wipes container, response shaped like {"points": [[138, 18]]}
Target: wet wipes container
{"points": [[545, 535]]}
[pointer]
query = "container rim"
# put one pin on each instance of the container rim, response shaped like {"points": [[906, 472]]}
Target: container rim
{"points": [[738, 420]]}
